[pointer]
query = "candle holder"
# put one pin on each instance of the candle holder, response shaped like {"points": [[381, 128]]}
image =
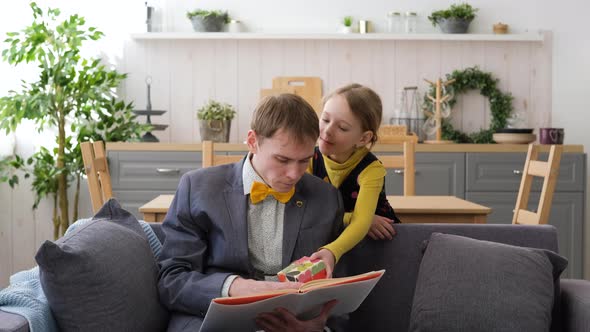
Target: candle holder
{"points": [[149, 112]]}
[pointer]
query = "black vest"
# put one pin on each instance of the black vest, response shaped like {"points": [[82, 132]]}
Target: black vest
{"points": [[349, 188]]}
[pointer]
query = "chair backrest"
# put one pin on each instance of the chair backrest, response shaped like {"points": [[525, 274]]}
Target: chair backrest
{"points": [[405, 163], [309, 88], [548, 170], [97, 171], [210, 158]]}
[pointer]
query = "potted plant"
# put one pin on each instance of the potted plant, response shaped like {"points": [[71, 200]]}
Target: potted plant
{"points": [[73, 98], [208, 20], [347, 24], [455, 19], [215, 121]]}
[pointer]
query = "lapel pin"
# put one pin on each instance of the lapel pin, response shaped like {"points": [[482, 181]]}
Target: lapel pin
{"points": [[299, 203]]}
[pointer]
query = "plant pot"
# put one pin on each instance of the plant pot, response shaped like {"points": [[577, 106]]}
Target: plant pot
{"points": [[345, 29], [215, 130], [453, 25], [208, 23]]}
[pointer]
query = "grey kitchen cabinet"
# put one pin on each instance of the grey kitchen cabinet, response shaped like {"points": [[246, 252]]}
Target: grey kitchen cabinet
{"points": [[140, 176], [503, 172], [567, 215], [493, 180], [436, 174]]}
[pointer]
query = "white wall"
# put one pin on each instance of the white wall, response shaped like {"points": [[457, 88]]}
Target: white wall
{"points": [[571, 70]]}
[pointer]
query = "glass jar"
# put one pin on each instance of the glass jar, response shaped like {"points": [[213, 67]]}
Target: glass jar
{"points": [[394, 22], [411, 22]]}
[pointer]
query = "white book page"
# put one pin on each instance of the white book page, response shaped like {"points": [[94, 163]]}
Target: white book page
{"points": [[221, 317]]}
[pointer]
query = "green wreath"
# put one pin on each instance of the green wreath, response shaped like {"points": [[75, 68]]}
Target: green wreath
{"points": [[469, 79]]}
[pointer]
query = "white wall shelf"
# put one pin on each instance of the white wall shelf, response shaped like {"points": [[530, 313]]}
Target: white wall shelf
{"points": [[523, 37]]}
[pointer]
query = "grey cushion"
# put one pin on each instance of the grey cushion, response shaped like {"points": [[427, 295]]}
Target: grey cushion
{"points": [[471, 285], [102, 276]]}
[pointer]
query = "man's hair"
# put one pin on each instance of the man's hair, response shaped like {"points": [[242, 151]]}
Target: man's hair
{"points": [[288, 112], [365, 104]]}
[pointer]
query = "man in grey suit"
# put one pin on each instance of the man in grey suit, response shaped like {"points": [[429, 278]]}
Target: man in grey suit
{"points": [[231, 228]]}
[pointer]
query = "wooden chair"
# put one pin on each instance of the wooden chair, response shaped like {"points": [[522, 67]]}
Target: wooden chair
{"points": [[210, 158], [548, 170], [405, 163], [97, 171]]}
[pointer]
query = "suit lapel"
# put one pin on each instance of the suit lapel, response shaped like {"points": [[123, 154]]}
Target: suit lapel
{"points": [[236, 204], [294, 211]]}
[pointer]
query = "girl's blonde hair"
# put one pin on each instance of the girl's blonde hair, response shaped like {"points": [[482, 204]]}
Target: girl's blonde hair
{"points": [[365, 104]]}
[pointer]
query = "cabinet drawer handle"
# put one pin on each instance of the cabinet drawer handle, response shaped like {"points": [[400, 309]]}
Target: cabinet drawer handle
{"points": [[168, 170], [517, 171], [401, 171]]}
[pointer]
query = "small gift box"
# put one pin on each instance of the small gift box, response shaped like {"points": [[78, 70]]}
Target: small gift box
{"points": [[303, 270]]}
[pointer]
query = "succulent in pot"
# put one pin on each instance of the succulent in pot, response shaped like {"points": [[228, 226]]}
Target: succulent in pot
{"points": [[347, 24]]}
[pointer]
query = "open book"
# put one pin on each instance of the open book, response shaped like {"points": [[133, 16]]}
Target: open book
{"points": [[238, 313]]}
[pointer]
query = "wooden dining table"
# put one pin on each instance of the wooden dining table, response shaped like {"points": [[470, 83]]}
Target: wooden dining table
{"points": [[438, 209], [410, 209]]}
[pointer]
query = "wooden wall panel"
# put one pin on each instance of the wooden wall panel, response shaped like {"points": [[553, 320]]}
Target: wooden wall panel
{"points": [[6, 252], [519, 73], [249, 84], [385, 82], [541, 78], [160, 58], [474, 106], [235, 70], [340, 63], [182, 110], [317, 61], [226, 68], [450, 59], [203, 55], [23, 226]]}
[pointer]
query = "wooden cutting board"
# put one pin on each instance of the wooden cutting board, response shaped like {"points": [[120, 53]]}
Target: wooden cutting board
{"points": [[308, 87], [275, 92]]}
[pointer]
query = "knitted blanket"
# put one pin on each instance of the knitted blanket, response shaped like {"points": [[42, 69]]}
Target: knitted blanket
{"points": [[24, 296]]}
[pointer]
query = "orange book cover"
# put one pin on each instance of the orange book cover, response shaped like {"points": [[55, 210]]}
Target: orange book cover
{"points": [[238, 313]]}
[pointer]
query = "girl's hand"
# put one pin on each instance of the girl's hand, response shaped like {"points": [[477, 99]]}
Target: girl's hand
{"points": [[381, 228], [328, 258]]}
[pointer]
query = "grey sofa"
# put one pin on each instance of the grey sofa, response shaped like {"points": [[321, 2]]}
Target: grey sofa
{"points": [[389, 305]]}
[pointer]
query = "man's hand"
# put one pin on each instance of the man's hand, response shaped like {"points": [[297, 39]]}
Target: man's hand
{"points": [[329, 260], [283, 320], [241, 286], [381, 228]]}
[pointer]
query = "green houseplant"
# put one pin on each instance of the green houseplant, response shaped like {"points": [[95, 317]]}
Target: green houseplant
{"points": [[347, 24], [208, 20], [455, 19], [74, 97], [215, 121]]}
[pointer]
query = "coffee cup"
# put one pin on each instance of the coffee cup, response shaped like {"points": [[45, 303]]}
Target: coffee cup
{"points": [[551, 135]]}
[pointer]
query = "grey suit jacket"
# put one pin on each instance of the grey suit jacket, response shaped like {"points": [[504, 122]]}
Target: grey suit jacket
{"points": [[207, 233]]}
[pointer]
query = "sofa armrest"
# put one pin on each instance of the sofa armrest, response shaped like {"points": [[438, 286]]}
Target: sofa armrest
{"points": [[12, 322], [575, 304]]}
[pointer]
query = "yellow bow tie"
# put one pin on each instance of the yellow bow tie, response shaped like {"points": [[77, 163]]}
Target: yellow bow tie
{"points": [[259, 191]]}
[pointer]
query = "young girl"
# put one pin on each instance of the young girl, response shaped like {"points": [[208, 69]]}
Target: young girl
{"points": [[348, 124]]}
